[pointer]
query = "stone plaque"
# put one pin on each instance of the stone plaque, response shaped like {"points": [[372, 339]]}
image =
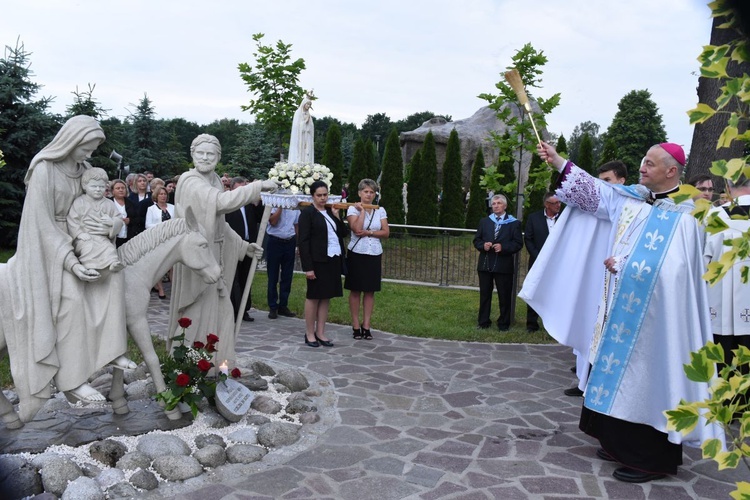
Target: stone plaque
{"points": [[233, 399]]}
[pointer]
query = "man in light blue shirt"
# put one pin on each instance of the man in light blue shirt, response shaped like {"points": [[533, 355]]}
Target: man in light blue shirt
{"points": [[280, 254]]}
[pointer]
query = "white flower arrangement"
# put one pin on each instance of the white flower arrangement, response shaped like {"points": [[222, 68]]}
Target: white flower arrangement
{"points": [[298, 177]]}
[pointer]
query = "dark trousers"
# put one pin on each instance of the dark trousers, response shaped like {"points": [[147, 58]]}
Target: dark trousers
{"points": [[238, 287], [487, 283], [279, 261], [532, 319]]}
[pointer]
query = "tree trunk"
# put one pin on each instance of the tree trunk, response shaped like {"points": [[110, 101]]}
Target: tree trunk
{"points": [[706, 135]]}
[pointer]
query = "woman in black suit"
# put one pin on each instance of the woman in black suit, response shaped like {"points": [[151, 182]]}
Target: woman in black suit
{"points": [[320, 251], [127, 208]]}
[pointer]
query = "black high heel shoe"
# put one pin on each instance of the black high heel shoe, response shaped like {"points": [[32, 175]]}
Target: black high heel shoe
{"points": [[357, 333], [366, 333], [326, 343], [311, 344]]}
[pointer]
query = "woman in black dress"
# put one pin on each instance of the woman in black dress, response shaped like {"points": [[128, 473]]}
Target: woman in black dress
{"points": [[320, 250]]}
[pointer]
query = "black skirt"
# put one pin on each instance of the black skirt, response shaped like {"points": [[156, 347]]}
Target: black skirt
{"points": [[327, 282], [363, 272]]}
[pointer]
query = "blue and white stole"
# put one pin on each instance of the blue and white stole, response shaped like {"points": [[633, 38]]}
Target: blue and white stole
{"points": [[630, 303]]}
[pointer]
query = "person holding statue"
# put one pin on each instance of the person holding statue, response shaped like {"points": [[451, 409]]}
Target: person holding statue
{"points": [[95, 251], [301, 142], [62, 321], [209, 305]]}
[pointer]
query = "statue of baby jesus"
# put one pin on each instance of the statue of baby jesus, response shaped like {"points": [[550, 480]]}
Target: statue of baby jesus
{"points": [[89, 218]]}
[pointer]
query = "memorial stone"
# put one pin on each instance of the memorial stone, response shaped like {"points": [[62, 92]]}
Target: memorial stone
{"points": [[233, 399]]}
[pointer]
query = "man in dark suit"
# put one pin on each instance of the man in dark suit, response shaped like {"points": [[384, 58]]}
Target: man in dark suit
{"points": [[538, 226], [498, 239], [244, 222]]}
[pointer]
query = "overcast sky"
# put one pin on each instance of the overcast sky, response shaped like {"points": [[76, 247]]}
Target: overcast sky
{"points": [[394, 57]]}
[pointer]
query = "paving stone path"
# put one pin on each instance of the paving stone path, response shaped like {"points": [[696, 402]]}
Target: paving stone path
{"points": [[428, 419]]}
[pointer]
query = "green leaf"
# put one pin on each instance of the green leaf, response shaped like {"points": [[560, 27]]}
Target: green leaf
{"points": [[699, 369], [701, 113], [728, 459], [727, 136], [742, 492], [711, 447], [735, 167], [715, 223], [685, 193], [741, 355], [713, 352], [731, 88], [683, 419]]}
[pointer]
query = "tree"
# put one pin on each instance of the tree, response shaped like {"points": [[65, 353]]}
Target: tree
{"points": [[586, 154], [636, 127], [501, 178], [416, 120], [85, 104], [477, 206], [539, 180], [228, 131], [609, 152], [376, 128], [273, 82], [144, 137], [371, 161], [574, 144], [25, 128], [452, 204], [423, 192], [333, 158], [562, 145], [521, 142], [254, 153], [411, 188], [357, 170], [392, 179], [706, 134]]}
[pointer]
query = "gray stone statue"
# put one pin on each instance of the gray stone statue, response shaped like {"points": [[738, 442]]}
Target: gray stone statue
{"points": [[208, 304], [302, 140], [61, 320]]}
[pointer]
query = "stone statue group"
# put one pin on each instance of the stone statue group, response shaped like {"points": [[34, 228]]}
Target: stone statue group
{"points": [[69, 297]]}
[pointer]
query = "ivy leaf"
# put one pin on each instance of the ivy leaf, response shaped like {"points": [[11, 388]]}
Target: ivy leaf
{"points": [[685, 193], [719, 168], [741, 355], [714, 352], [683, 419], [729, 90], [714, 272], [715, 223], [735, 167], [742, 492], [699, 369], [711, 447], [701, 113], [728, 459], [727, 136]]}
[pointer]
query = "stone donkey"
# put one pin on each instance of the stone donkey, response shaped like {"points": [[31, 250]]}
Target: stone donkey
{"points": [[148, 256]]}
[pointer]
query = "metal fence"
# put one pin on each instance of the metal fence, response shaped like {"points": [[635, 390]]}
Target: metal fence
{"points": [[433, 255]]}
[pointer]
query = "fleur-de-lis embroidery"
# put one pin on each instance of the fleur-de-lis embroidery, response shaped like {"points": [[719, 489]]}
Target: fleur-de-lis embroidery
{"points": [[609, 362], [653, 238], [663, 215], [640, 268], [619, 330], [632, 300], [599, 393]]}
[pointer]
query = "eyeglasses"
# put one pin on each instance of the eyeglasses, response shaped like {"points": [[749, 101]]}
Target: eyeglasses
{"points": [[705, 190]]}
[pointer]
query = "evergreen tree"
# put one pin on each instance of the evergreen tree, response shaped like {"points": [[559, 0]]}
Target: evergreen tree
{"points": [[452, 205], [254, 153], [636, 127], [333, 158], [477, 206], [574, 143], [392, 180], [25, 128], [357, 170], [562, 145], [501, 178], [144, 137], [411, 188], [586, 154], [609, 152], [371, 160], [423, 210], [562, 148]]}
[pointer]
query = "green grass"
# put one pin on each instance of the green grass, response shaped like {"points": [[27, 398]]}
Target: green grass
{"points": [[419, 311]]}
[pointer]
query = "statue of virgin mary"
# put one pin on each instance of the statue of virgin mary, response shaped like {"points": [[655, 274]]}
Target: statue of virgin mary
{"points": [[301, 143]]}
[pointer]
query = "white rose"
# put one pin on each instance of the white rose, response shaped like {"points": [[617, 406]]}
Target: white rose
{"points": [[329, 176], [285, 184], [294, 189], [273, 172], [316, 176], [309, 181], [300, 181]]}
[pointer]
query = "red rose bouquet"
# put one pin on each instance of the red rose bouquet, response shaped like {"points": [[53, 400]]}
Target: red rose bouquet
{"points": [[186, 370]]}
